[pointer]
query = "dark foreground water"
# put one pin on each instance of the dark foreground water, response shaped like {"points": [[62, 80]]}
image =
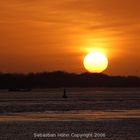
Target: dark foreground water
{"points": [[99, 113]]}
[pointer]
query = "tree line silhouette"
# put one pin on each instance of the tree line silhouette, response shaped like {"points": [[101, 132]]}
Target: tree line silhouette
{"points": [[58, 79]]}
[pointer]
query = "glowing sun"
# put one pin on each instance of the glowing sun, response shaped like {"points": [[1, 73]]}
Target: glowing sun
{"points": [[95, 62]]}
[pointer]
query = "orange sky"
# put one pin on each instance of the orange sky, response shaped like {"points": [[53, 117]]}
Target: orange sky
{"points": [[48, 35]]}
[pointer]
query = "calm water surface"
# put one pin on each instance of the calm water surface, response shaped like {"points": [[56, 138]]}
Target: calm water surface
{"points": [[113, 112]]}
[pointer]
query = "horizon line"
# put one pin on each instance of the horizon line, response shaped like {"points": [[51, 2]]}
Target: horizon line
{"points": [[41, 72]]}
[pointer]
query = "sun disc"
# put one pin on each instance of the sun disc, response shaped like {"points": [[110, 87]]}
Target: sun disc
{"points": [[95, 62]]}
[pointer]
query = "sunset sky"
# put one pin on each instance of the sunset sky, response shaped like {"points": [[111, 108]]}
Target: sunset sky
{"points": [[48, 35]]}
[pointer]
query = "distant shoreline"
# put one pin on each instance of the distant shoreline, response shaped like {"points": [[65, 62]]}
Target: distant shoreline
{"points": [[60, 79]]}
